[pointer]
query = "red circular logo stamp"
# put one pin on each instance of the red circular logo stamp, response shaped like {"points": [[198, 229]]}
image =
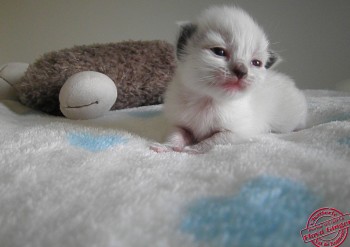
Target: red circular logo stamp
{"points": [[326, 227]]}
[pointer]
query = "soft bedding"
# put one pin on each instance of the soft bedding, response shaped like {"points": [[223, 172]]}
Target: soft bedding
{"points": [[96, 182]]}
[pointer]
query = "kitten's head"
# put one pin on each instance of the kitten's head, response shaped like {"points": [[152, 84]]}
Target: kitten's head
{"points": [[223, 53]]}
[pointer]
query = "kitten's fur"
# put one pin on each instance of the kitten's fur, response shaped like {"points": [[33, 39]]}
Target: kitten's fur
{"points": [[224, 90]]}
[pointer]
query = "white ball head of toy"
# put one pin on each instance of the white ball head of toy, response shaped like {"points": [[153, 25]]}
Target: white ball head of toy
{"points": [[87, 95]]}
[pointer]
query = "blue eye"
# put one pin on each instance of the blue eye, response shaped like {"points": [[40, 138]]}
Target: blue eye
{"points": [[219, 51]]}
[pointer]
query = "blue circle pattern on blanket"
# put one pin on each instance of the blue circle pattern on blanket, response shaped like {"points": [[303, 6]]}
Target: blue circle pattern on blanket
{"points": [[145, 114], [95, 143], [342, 117], [268, 211], [345, 141]]}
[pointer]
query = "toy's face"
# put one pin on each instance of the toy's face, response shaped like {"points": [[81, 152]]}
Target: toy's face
{"points": [[87, 95]]}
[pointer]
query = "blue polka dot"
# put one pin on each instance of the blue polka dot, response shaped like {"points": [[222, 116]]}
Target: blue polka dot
{"points": [[342, 117], [95, 143], [267, 212], [145, 114], [345, 141]]}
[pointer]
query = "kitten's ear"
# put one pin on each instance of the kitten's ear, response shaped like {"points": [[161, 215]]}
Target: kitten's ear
{"points": [[272, 60], [186, 32]]}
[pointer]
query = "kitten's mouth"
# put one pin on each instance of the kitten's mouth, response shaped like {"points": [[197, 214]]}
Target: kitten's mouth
{"points": [[233, 85]]}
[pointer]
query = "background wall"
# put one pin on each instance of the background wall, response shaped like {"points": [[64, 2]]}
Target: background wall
{"points": [[312, 36]]}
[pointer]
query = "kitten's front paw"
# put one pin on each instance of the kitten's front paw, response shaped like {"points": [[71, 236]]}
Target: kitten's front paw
{"points": [[160, 148]]}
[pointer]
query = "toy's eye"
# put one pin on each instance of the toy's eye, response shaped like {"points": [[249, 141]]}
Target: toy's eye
{"points": [[219, 51], [256, 63]]}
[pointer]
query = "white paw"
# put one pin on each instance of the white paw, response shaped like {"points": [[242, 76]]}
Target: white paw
{"points": [[166, 147], [160, 148]]}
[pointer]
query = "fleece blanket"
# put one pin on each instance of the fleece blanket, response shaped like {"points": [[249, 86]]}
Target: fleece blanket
{"points": [[96, 182]]}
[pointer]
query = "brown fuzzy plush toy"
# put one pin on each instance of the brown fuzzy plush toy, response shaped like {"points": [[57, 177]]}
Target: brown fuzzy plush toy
{"points": [[82, 82]]}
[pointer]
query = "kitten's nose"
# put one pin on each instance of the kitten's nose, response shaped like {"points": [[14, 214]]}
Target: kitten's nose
{"points": [[240, 70]]}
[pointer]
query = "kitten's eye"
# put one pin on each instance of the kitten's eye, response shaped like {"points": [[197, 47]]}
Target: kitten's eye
{"points": [[219, 51], [257, 63]]}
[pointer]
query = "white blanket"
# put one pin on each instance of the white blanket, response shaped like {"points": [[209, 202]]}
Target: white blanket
{"points": [[97, 183]]}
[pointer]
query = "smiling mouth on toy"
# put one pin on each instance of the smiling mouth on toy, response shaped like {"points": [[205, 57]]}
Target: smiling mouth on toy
{"points": [[81, 106]]}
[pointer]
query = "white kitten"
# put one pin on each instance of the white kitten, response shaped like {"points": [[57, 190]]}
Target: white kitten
{"points": [[223, 91]]}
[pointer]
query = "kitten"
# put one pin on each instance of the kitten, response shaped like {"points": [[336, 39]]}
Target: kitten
{"points": [[223, 90]]}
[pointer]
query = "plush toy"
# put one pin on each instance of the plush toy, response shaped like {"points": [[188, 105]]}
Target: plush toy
{"points": [[84, 82]]}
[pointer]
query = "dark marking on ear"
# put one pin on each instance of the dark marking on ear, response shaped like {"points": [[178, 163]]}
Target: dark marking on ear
{"points": [[186, 32], [272, 60]]}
